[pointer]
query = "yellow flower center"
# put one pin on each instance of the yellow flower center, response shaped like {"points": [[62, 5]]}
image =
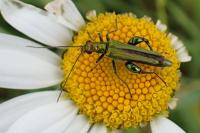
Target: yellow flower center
{"points": [[98, 92]]}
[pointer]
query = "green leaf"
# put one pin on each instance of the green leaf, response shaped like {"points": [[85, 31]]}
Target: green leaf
{"points": [[179, 16]]}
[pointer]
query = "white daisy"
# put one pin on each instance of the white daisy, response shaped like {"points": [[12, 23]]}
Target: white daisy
{"points": [[22, 67]]}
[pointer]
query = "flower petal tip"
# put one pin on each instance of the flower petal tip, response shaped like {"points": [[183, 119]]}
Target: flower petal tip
{"points": [[162, 27], [44, 29], [91, 14], [164, 125], [182, 52], [173, 103], [66, 10], [147, 18]]}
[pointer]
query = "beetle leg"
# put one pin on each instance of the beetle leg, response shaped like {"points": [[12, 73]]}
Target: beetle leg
{"points": [[132, 67], [100, 37], [136, 69], [97, 61], [145, 72], [90, 36], [61, 91], [115, 71], [116, 29], [107, 37], [65, 81], [136, 40], [62, 55], [100, 57]]}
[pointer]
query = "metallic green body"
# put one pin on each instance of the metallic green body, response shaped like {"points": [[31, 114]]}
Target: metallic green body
{"points": [[120, 51]]}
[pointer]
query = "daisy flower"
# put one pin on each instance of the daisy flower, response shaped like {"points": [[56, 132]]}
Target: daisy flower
{"points": [[93, 101]]}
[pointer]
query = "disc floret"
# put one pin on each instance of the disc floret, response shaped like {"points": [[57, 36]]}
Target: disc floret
{"points": [[100, 95]]}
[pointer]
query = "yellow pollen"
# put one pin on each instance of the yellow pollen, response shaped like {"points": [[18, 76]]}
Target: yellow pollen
{"points": [[98, 92]]}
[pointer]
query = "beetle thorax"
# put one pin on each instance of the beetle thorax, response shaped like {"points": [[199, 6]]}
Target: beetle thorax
{"points": [[90, 47]]}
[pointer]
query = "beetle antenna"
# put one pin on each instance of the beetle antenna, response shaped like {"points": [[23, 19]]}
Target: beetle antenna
{"points": [[144, 72], [160, 78], [54, 47]]}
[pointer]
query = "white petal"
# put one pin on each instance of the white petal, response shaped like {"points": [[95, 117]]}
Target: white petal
{"points": [[160, 26], [97, 128], [172, 104], [67, 13], [11, 110], [42, 118], [35, 23], [91, 14], [78, 125], [23, 67], [185, 58], [61, 125], [181, 50], [164, 125], [132, 14], [147, 18]]}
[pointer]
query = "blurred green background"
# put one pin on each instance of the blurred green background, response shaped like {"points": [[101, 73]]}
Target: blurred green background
{"points": [[182, 18]]}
